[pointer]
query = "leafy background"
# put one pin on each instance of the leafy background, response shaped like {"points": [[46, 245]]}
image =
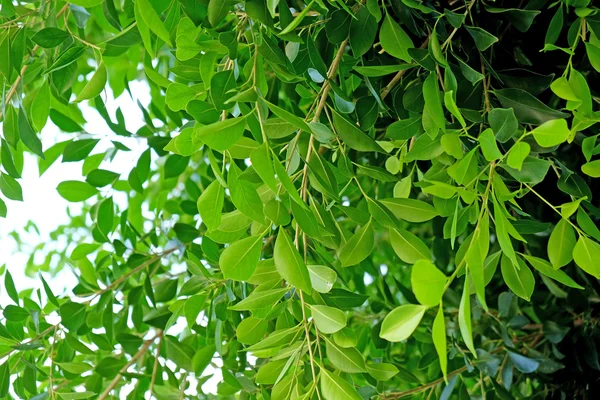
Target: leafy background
{"points": [[326, 200]]}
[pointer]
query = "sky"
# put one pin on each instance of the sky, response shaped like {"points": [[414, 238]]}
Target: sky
{"points": [[43, 205]]}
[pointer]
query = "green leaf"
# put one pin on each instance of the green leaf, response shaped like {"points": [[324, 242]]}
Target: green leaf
{"points": [[352, 136], [5, 379], [105, 216], [268, 373], [76, 191], [593, 53], [544, 267], [28, 136], [522, 363], [381, 70], [217, 11], [465, 170], [435, 49], [239, 260], [9, 285], [262, 164], [533, 170], [40, 107], [477, 260], [518, 278], [345, 338], [551, 133], [555, 26], [7, 160], [358, 247], [334, 387], [517, 155], [322, 278], [394, 40], [527, 109], [433, 103], [425, 148], [489, 147], [472, 76], [347, 360], [561, 243], [502, 228], [289, 262], [562, 88], [299, 18], [51, 297], [382, 214], [153, 21], [210, 205], [504, 123], [49, 37], [452, 145], [66, 58], [278, 128], [586, 255], [87, 3], [75, 367], [464, 318], [404, 129], [520, 18], [328, 319], [251, 330], [586, 223], [591, 168], [79, 149], [428, 283], [451, 106], [483, 39], [401, 322], [363, 30], [179, 95], [101, 178], [10, 187], [288, 117], [95, 86], [221, 135], [15, 313], [438, 333], [259, 299], [382, 371], [410, 210], [408, 247], [286, 182], [76, 395]]}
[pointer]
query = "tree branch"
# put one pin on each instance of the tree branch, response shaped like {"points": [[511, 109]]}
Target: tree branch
{"points": [[133, 359]]}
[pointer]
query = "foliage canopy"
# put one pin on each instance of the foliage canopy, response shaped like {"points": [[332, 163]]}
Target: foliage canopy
{"points": [[337, 200]]}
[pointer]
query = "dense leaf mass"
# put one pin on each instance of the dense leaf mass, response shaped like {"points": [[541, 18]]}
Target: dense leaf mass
{"points": [[334, 199]]}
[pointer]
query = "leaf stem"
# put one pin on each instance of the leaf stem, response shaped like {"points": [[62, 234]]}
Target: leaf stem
{"points": [[310, 351], [579, 231]]}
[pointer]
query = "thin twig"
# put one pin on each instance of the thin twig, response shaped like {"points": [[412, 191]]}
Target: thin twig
{"points": [[137, 269], [310, 352], [156, 363], [419, 389], [133, 359], [387, 90]]}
